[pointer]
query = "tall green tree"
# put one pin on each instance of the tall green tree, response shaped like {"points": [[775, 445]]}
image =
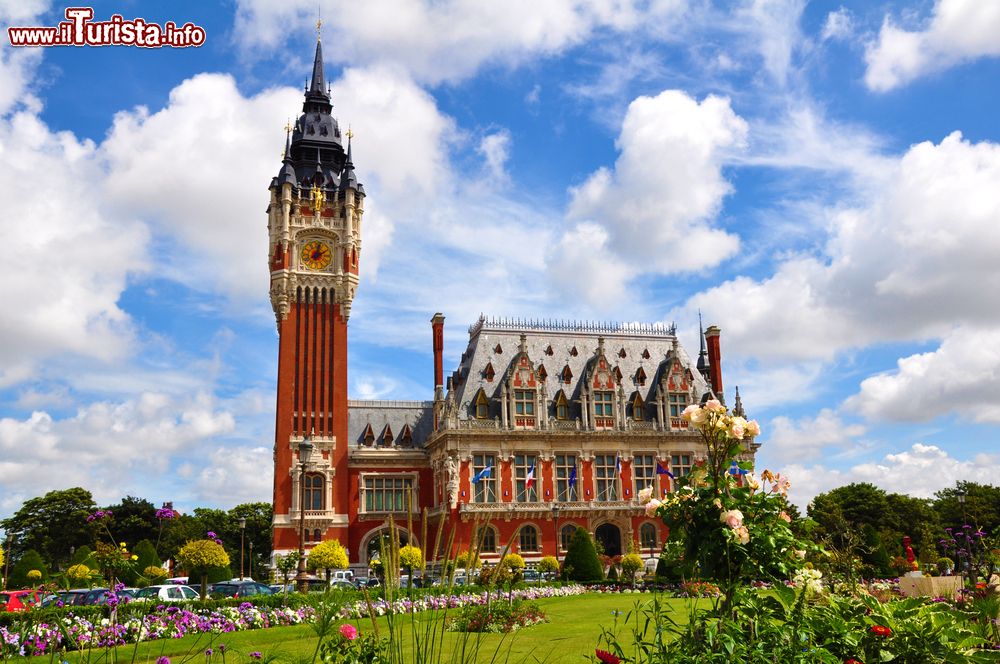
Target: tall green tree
{"points": [[29, 560], [52, 525], [581, 562], [982, 506], [134, 520]]}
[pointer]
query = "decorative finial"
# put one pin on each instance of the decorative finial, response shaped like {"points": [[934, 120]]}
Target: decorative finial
{"points": [[319, 28], [288, 126], [350, 133]]}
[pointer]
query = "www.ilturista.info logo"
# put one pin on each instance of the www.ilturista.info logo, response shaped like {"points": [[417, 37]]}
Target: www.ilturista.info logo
{"points": [[79, 29]]}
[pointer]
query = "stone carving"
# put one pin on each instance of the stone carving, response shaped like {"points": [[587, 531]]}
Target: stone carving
{"points": [[452, 466]]}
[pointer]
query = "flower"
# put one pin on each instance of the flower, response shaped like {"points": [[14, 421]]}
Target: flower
{"points": [[751, 428], [851, 660], [348, 631], [644, 495], [208, 652], [732, 518], [714, 406], [165, 513], [881, 630], [211, 535], [255, 655], [652, 506], [606, 657], [743, 534], [162, 659], [752, 482], [784, 516]]}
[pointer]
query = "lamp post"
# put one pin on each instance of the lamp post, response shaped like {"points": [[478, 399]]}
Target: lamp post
{"points": [[301, 578], [243, 532], [251, 558], [961, 501], [555, 516]]}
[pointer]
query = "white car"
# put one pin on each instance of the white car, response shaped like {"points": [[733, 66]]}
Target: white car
{"points": [[166, 593]]}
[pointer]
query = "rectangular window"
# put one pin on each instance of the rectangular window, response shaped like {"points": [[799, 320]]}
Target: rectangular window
{"points": [[607, 476], [523, 463], [643, 472], [678, 402], [680, 464], [485, 490], [524, 402], [388, 493], [566, 470], [603, 404]]}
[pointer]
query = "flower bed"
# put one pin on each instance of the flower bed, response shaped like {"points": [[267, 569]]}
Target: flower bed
{"points": [[500, 618], [72, 631]]}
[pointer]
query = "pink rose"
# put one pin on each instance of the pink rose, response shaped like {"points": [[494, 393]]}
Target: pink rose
{"points": [[743, 535], [714, 406], [645, 494], [694, 414], [752, 428], [784, 516], [348, 631], [652, 506], [732, 518]]}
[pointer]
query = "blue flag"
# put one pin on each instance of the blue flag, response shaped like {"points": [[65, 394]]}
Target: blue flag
{"points": [[572, 476], [662, 470], [482, 474], [736, 470], [618, 465]]}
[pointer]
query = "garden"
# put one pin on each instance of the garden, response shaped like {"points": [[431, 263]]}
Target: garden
{"points": [[741, 578]]}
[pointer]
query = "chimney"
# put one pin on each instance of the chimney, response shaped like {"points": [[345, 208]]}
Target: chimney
{"points": [[715, 361], [437, 326]]}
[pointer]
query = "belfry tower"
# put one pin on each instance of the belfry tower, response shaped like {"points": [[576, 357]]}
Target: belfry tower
{"points": [[314, 231]]}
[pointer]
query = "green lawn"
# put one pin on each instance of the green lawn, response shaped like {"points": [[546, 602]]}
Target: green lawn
{"points": [[570, 635]]}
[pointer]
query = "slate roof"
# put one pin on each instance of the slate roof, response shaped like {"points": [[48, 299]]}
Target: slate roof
{"points": [[488, 336], [418, 415]]}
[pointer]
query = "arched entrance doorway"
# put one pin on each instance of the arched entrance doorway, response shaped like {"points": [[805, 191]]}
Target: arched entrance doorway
{"points": [[372, 545], [610, 538]]}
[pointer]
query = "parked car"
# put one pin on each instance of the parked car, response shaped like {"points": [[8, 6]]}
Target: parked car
{"points": [[341, 584], [366, 582], [73, 597], [95, 596], [343, 575], [19, 600], [246, 588], [168, 592]]}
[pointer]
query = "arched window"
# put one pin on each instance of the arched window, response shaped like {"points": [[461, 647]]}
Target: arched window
{"points": [[317, 535], [487, 539], [566, 535], [529, 539], [647, 536], [314, 491]]}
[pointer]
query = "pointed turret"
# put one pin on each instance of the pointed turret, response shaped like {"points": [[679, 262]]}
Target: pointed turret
{"points": [[287, 172], [318, 83], [704, 366], [738, 405], [348, 178]]}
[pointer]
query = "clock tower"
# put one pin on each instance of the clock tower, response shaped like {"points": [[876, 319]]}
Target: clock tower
{"points": [[314, 233]]}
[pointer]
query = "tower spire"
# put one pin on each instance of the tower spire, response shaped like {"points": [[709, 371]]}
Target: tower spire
{"points": [[703, 363], [318, 83]]}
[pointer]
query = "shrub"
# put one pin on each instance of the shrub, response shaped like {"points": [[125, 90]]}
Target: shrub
{"points": [[548, 564], [202, 555], [581, 562], [631, 564], [326, 556], [30, 561]]}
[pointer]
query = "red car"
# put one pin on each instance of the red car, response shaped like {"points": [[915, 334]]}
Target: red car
{"points": [[18, 600]]}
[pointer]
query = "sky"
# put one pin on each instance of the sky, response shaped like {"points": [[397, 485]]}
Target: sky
{"points": [[819, 179]]}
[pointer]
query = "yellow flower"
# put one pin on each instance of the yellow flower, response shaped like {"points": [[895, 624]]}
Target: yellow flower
{"points": [[135, 557]]}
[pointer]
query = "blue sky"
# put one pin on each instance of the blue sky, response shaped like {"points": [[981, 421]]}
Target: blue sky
{"points": [[820, 179]]}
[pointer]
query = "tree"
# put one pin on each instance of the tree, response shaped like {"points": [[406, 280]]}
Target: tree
{"points": [[147, 557], [52, 524], [410, 557], [631, 564], [548, 564], [287, 564], [328, 555], [581, 563], [135, 520], [79, 575], [30, 561], [200, 556], [982, 506]]}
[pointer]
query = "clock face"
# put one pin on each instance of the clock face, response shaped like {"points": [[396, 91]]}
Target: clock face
{"points": [[316, 255]]}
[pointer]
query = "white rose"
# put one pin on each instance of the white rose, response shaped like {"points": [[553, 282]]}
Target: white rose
{"points": [[645, 494], [652, 506]]}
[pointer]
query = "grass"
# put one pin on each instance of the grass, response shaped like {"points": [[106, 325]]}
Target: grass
{"points": [[575, 623]]}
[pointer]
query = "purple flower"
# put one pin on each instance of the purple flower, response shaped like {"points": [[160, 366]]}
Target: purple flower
{"points": [[255, 655], [222, 647], [211, 535], [162, 659], [208, 652], [165, 513]]}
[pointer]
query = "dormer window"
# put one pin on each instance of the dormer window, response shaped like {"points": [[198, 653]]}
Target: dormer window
{"points": [[622, 354], [603, 403], [562, 406], [482, 406], [617, 373], [498, 350], [645, 353], [573, 351], [387, 436], [524, 402], [369, 436], [637, 408], [567, 375], [488, 372], [406, 436], [640, 377], [542, 373], [549, 351]]}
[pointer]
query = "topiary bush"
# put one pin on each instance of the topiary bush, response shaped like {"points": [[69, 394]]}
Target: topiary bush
{"points": [[581, 563]]}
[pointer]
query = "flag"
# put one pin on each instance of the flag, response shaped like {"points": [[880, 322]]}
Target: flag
{"points": [[662, 470], [736, 470], [572, 476], [618, 465], [530, 479], [482, 474]]}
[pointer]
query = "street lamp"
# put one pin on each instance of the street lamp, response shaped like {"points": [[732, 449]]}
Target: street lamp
{"points": [[555, 515], [965, 563], [961, 501], [301, 578], [243, 532], [251, 558]]}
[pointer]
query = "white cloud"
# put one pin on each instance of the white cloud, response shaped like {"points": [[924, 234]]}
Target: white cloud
{"points": [[919, 471], [809, 437], [958, 31], [70, 256], [110, 447], [495, 150], [917, 256], [962, 374], [444, 41], [653, 211], [839, 25], [235, 475]]}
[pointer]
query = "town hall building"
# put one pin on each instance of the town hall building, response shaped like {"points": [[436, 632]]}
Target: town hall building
{"points": [[543, 427]]}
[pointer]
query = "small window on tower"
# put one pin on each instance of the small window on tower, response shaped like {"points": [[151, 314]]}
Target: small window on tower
{"points": [[617, 373], [482, 406], [640, 376], [387, 437], [488, 372], [622, 353], [369, 436], [567, 374], [498, 350], [549, 351], [645, 353], [406, 436], [573, 351], [542, 373]]}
